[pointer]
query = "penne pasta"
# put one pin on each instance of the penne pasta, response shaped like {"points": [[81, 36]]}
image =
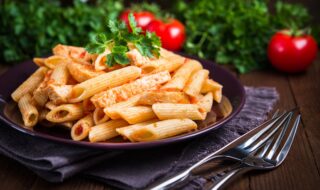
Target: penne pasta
{"points": [[105, 131], [40, 94], [59, 94], [99, 116], [50, 105], [224, 108], [217, 95], [126, 132], [39, 61], [60, 74], [120, 93], [206, 102], [65, 113], [178, 111], [52, 61], [137, 114], [149, 99], [181, 76], [153, 97], [30, 84], [43, 120], [102, 82], [112, 111], [100, 62], [28, 111], [82, 71], [172, 63], [88, 106], [210, 86], [163, 129], [80, 130], [66, 125], [195, 83]]}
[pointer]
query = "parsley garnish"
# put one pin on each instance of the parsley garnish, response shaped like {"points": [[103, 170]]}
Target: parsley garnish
{"points": [[117, 37]]}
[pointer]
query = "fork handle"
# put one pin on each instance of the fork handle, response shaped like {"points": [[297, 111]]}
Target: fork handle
{"points": [[229, 176], [172, 181]]}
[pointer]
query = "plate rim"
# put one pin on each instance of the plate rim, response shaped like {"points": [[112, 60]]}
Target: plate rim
{"points": [[129, 145]]}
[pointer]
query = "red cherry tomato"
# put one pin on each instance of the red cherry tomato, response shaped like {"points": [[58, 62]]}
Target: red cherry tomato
{"points": [[142, 18], [171, 33], [290, 53]]}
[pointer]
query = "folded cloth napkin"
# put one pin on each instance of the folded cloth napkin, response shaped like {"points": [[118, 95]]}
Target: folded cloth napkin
{"points": [[134, 169]]}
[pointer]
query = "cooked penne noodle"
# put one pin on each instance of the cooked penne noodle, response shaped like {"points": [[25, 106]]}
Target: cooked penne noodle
{"points": [[137, 114], [195, 82], [149, 99], [153, 97], [224, 108], [163, 129], [88, 106], [65, 113], [30, 84], [60, 74], [61, 50], [126, 132], [59, 94], [112, 111], [39, 61], [50, 105], [173, 62], [71, 51], [102, 82], [66, 125], [28, 111], [217, 95], [181, 76], [206, 102], [120, 93], [40, 94], [99, 116], [43, 120], [105, 131], [177, 111], [52, 61], [80, 130], [82, 71], [100, 62], [210, 86]]}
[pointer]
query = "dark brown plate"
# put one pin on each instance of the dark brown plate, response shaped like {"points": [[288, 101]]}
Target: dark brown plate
{"points": [[10, 114]]}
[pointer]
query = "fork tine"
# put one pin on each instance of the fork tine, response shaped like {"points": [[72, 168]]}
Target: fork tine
{"points": [[270, 123], [265, 148], [276, 114], [261, 142], [286, 147], [279, 139]]}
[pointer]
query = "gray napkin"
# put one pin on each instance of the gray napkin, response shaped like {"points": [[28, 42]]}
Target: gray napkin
{"points": [[132, 169]]}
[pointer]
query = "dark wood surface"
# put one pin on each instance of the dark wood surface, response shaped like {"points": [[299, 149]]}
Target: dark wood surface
{"points": [[301, 169]]}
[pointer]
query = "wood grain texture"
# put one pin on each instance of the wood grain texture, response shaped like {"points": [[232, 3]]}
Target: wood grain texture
{"points": [[298, 167], [14, 176], [306, 89]]}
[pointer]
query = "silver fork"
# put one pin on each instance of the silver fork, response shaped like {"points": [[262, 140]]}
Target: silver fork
{"points": [[236, 153], [265, 157]]}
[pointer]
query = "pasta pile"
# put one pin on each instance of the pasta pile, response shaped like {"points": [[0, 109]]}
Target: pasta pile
{"points": [[150, 99]]}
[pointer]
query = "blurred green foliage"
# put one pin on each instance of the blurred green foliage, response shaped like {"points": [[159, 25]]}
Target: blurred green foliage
{"points": [[236, 32], [32, 27], [230, 32]]}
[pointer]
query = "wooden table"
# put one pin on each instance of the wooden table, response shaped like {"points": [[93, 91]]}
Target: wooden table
{"points": [[301, 169]]}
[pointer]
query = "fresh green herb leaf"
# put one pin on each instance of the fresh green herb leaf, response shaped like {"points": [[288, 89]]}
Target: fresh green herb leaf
{"points": [[121, 58], [133, 24], [117, 38]]}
